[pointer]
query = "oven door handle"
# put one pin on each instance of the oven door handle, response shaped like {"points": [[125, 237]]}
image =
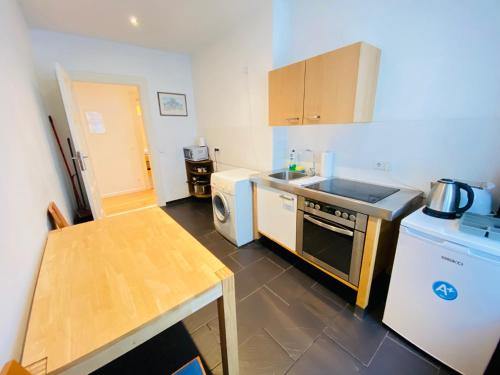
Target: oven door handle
{"points": [[329, 227]]}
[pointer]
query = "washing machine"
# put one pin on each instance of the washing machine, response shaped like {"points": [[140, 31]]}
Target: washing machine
{"points": [[232, 204]]}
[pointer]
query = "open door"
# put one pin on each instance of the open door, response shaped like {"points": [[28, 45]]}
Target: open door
{"points": [[76, 131]]}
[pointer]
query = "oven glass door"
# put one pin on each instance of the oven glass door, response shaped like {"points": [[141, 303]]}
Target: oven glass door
{"points": [[329, 243]]}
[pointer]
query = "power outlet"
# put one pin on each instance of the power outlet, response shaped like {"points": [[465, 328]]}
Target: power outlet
{"points": [[382, 166]]}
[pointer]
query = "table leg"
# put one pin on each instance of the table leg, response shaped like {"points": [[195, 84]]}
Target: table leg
{"points": [[227, 323]]}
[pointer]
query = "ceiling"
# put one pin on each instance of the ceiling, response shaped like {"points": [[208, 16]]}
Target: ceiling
{"points": [[173, 25]]}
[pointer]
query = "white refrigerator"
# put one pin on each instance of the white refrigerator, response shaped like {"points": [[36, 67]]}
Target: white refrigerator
{"points": [[444, 294]]}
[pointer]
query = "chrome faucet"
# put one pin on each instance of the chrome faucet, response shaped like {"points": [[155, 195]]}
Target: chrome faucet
{"points": [[311, 171]]}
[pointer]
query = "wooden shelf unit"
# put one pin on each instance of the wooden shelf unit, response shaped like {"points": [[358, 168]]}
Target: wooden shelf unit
{"points": [[199, 178]]}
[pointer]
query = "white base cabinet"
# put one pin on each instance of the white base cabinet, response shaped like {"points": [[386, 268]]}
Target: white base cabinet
{"points": [[277, 215]]}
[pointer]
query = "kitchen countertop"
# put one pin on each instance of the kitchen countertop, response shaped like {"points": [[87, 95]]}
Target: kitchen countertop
{"points": [[388, 208]]}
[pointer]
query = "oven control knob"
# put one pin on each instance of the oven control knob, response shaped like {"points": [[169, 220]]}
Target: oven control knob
{"points": [[306, 203], [338, 213], [352, 217], [345, 215], [317, 206]]}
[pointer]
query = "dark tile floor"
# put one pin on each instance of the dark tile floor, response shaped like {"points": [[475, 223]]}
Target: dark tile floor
{"points": [[291, 318]]}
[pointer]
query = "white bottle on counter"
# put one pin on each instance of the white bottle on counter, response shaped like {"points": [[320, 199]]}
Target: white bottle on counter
{"points": [[327, 166]]}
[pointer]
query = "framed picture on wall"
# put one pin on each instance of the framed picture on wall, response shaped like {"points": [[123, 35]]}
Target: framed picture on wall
{"points": [[172, 104]]}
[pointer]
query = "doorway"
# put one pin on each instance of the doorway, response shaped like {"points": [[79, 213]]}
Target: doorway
{"points": [[113, 128]]}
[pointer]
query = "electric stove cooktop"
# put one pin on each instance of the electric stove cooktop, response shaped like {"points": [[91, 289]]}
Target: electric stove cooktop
{"points": [[353, 189]]}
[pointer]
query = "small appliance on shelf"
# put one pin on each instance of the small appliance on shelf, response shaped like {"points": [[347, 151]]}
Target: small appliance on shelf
{"points": [[196, 153], [199, 169]]}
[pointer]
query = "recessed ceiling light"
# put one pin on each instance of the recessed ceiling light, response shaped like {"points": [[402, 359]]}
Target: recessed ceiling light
{"points": [[134, 21]]}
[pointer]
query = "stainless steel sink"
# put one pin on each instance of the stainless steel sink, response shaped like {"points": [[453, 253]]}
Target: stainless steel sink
{"points": [[287, 175]]}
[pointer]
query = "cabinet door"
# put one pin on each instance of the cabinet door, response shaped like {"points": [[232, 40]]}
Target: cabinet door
{"points": [[286, 94], [340, 85], [331, 86], [277, 216]]}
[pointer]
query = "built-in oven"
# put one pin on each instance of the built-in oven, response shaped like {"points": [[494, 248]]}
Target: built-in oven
{"points": [[331, 237]]}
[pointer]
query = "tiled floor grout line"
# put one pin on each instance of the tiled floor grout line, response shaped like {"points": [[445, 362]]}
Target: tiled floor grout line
{"points": [[234, 260], [246, 340], [249, 264], [273, 262], [378, 348], [248, 295], [342, 306], [412, 351], [272, 278], [244, 267], [302, 354], [218, 363], [344, 348], [294, 361], [276, 276], [277, 342], [276, 294], [200, 327], [234, 252]]}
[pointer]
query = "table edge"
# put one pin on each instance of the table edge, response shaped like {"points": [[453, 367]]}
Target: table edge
{"points": [[121, 345]]}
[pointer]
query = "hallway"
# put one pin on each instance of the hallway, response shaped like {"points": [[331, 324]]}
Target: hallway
{"points": [[129, 202]]}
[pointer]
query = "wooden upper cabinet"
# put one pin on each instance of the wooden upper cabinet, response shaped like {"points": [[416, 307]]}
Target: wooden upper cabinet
{"points": [[286, 94], [339, 87]]}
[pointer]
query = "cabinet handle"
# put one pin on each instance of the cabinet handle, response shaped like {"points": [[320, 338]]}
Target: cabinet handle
{"points": [[286, 197], [293, 119], [315, 117]]}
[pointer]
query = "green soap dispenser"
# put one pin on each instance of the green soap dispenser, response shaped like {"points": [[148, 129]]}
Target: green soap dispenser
{"points": [[292, 165]]}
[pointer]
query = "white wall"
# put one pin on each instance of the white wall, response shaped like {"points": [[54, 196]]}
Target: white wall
{"points": [[117, 154], [437, 110], [230, 80], [31, 178], [160, 70]]}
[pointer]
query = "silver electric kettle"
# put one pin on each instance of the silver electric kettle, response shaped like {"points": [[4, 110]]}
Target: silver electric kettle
{"points": [[444, 199]]}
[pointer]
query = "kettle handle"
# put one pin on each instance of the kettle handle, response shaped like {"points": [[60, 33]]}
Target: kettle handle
{"points": [[470, 197]]}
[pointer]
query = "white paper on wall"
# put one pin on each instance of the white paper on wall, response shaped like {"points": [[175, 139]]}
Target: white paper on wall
{"points": [[95, 122]]}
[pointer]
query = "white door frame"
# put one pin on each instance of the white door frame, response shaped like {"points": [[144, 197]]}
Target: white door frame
{"points": [[142, 87]]}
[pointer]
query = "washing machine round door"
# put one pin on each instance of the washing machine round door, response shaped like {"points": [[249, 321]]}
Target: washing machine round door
{"points": [[221, 208]]}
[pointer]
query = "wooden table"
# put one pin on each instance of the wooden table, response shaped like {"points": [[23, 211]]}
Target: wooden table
{"points": [[109, 285]]}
